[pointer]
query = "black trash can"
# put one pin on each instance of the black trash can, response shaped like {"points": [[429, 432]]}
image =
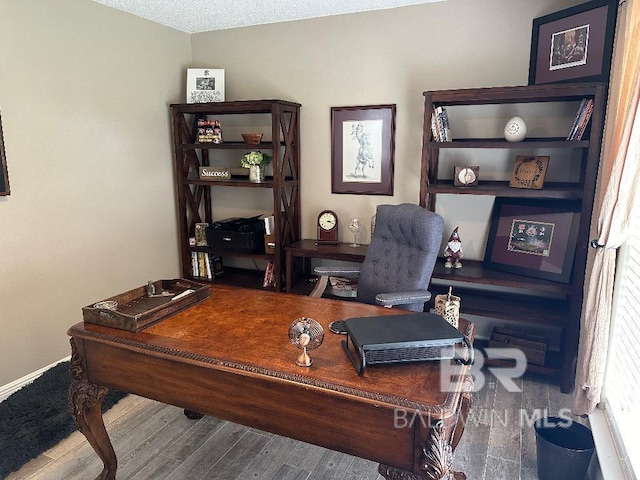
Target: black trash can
{"points": [[564, 449]]}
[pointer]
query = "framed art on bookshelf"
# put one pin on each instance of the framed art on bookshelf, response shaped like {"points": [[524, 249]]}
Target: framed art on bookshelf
{"points": [[4, 175], [205, 85], [533, 237], [573, 45], [362, 149]]}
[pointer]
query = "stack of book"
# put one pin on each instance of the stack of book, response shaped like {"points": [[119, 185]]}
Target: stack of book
{"points": [[204, 265], [582, 120], [440, 125]]}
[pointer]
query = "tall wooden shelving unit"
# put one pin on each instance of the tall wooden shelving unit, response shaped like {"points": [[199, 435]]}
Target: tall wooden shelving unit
{"points": [[194, 195], [535, 307]]}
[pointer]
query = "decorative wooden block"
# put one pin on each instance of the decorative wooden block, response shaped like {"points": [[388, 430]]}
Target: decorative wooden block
{"points": [[529, 172], [466, 176], [269, 243]]}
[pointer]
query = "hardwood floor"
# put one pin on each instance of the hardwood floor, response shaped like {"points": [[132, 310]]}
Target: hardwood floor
{"points": [[156, 441]]}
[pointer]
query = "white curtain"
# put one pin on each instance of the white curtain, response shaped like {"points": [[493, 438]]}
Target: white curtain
{"points": [[617, 183]]}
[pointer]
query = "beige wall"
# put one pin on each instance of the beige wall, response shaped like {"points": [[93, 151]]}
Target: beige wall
{"points": [[381, 57], [84, 91]]}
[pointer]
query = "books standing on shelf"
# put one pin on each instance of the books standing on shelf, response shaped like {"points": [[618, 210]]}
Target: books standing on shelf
{"points": [[206, 266], [269, 279], [581, 120], [209, 131], [440, 125]]}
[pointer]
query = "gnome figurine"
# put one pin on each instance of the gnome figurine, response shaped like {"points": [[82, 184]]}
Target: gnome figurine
{"points": [[453, 251]]}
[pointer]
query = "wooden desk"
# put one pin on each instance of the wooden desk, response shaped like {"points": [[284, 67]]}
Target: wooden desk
{"points": [[230, 357], [308, 249]]}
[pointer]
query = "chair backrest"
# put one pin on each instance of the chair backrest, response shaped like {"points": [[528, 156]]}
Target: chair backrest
{"points": [[402, 253]]}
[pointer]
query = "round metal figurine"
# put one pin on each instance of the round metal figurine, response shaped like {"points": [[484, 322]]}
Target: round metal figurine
{"points": [[306, 334]]}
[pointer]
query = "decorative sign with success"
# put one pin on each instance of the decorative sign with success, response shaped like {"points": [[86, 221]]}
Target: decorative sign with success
{"points": [[215, 173]]}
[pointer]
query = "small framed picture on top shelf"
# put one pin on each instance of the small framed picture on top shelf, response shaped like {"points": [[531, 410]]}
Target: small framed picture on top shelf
{"points": [[529, 172], [205, 85], [574, 44], [533, 237]]}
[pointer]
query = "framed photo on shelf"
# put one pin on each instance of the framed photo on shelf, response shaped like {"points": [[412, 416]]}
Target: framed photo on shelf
{"points": [[4, 175], [533, 237], [205, 85], [362, 149], [573, 45]]}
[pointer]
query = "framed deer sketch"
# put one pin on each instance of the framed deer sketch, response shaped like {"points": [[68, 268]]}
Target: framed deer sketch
{"points": [[362, 149], [4, 176]]}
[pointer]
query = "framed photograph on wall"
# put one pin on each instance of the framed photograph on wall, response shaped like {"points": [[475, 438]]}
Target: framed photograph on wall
{"points": [[205, 85], [573, 45], [4, 175], [362, 149], [533, 237]]}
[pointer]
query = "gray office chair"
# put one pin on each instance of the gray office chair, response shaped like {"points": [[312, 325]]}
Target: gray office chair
{"points": [[400, 259]]}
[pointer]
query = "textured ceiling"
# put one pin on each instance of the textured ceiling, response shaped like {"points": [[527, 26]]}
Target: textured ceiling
{"points": [[193, 16]]}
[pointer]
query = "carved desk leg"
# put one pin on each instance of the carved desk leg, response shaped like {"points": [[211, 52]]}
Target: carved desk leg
{"points": [[437, 460], [84, 404]]}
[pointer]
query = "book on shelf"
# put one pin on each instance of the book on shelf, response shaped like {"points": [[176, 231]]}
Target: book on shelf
{"points": [[206, 266], [585, 121], [581, 120], [576, 118], [440, 125], [269, 279]]}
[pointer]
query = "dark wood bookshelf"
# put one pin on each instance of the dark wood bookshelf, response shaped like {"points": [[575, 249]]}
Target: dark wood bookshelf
{"points": [[544, 302], [195, 201]]}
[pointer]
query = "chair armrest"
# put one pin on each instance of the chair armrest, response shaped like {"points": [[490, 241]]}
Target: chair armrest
{"points": [[403, 298], [337, 271], [326, 272]]}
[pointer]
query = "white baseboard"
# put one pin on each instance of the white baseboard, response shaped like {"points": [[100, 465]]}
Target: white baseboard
{"points": [[10, 388]]}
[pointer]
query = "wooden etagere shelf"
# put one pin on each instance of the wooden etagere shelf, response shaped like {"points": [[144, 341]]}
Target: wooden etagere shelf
{"points": [[194, 195], [518, 298]]}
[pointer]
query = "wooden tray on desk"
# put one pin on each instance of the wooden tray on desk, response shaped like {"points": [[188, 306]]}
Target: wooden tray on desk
{"points": [[136, 310]]}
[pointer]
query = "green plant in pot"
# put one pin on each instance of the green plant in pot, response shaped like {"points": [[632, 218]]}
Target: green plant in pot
{"points": [[256, 162]]}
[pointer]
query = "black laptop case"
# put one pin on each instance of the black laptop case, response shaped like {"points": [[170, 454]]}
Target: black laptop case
{"points": [[413, 337]]}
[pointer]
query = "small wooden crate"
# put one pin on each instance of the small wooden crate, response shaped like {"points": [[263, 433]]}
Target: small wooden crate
{"points": [[269, 244], [533, 346], [136, 310]]}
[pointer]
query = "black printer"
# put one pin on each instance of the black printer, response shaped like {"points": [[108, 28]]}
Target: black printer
{"points": [[239, 235]]}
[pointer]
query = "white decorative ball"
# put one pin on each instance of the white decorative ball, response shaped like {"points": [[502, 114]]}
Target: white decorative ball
{"points": [[515, 130]]}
